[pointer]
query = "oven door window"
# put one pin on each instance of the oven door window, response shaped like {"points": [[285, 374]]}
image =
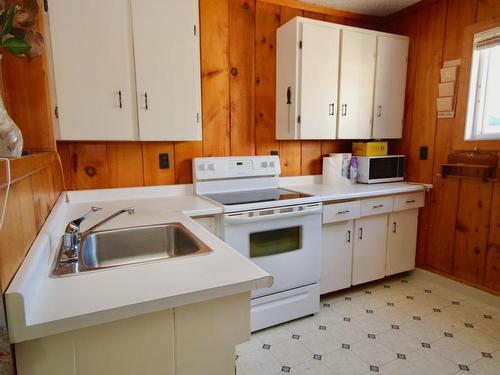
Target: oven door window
{"points": [[275, 241]]}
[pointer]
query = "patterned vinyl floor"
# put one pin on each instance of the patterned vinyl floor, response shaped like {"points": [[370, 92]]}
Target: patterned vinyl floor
{"points": [[403, 326]]}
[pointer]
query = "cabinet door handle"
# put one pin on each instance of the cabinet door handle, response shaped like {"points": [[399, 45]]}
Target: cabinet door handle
{"points": [[394, 227], [332, 109], [348, 236], [289, 95], [343, 212], [120, 102], [146, 104], [379, 111], [378, 206], [360, 233], [344, 109], [411, 201]]}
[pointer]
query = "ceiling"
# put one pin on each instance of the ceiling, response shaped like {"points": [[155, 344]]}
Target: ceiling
{"points": [[379, 8]]}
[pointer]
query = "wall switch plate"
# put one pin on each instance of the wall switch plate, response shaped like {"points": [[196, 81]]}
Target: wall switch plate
{"points": [[164, 164], [274, 152], [424, 152]]}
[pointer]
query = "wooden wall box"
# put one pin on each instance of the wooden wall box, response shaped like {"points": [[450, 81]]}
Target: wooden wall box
{"points": [[449, 74], [445, 104], [446, 89]]}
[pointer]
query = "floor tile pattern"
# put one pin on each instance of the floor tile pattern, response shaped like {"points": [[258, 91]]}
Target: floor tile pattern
{"points": [[402, 326]]}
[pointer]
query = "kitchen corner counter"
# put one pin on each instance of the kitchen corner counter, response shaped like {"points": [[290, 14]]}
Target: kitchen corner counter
{"points": [[40, 305], [329, 193]]}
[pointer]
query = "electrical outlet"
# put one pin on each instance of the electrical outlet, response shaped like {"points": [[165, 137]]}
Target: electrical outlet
{"points": [[164, 164], [274, 152], [424, 152]]}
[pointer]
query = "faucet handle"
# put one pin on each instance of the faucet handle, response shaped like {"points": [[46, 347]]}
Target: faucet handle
{"points": [[91, 211]]}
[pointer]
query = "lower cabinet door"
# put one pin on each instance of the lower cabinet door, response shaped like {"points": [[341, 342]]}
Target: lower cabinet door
{"points": [[401, 241], [369, 253], [336, 256]]}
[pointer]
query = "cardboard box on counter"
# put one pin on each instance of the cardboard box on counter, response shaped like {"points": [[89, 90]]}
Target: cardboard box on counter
{"points": [[370, 148]]}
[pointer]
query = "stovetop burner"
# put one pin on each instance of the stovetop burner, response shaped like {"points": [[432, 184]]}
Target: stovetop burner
{"points": [[254, 196]]}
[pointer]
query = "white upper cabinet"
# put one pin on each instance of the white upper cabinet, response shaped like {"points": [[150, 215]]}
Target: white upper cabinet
{"points": [[357, 74], [153, 44], [167, 57], [93, 68], [319, 71], [390, 85], [306, 80], [327, 92]]}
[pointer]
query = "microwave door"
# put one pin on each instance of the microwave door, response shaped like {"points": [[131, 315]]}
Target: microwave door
{"points": [[386, 169]]}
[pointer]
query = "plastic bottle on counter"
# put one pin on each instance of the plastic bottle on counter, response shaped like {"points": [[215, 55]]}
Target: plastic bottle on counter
{"points": [[353, 170]]}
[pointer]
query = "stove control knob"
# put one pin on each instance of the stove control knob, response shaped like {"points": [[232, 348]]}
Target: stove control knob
{"points": [[272, 164], [264, 164], [211, 167], [202, 167]]}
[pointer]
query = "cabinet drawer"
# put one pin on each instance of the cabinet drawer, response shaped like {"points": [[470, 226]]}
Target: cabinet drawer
{"points": [[341, 211], [409, 201], [375, 206]]}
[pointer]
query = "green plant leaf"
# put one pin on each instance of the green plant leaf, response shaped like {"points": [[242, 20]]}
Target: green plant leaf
{"points": [[9, 19], [16, 46]]}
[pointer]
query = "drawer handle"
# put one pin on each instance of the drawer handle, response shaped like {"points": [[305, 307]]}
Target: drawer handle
{"points": [[360, 233], [343, 212], [411, 201], [378, 206], [348, 236]]}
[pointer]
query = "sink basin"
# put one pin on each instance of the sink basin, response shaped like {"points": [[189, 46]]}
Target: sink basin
{"points": [[118, 247]]}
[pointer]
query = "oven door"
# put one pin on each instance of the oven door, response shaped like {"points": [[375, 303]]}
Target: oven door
{"points": [[283, 241]]}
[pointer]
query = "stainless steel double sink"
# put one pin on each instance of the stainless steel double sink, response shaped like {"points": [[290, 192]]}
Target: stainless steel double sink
{"points": [[119, 247]]}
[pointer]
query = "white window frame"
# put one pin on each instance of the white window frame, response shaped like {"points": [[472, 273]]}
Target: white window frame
{"points": [[478, 85]]}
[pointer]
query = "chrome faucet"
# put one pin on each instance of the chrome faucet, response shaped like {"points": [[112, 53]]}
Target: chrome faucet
{"points": [[72, 237]]}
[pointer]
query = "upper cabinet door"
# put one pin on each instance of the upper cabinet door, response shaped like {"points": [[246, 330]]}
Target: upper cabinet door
{"points": [[93, 68], [167, 56], [319, 84], [357, 73], [390, 85]]}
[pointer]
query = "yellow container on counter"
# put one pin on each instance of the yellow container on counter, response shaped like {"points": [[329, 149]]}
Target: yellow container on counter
{"points": [[370, 148]]}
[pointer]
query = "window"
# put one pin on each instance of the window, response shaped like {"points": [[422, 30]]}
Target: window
{"points": [[483, 108]]}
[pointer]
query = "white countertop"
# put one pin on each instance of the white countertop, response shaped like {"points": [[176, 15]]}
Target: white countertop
{"points": [[39, 305], [354, 191]]}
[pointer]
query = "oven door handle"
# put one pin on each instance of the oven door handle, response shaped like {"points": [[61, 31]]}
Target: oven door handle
{"points": [[244, 219]]}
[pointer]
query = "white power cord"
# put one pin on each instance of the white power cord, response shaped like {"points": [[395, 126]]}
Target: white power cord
{"points": [[7, 171]]}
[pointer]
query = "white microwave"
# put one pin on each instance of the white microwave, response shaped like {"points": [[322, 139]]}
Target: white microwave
{"points": [[377, 169]]}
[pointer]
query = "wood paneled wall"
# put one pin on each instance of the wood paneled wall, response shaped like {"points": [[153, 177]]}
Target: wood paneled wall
{"points": [[35, 187], [459, 231], [36, 180], [238, 54]]}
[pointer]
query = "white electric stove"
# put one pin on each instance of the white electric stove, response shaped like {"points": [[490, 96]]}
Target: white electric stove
{"points": [[278, 229]]}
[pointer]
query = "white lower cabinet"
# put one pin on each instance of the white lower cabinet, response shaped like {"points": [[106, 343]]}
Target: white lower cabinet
{"points": [[370, 243], [368, 239], [197, 338], [336, 256], [401, 241]]}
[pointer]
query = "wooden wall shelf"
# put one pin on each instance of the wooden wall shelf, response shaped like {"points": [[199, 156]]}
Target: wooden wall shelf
{"points": [[471, 165]]}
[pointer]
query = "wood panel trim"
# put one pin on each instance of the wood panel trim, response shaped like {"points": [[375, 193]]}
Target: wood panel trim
{"points": [[297, 4], [26, 166]]}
